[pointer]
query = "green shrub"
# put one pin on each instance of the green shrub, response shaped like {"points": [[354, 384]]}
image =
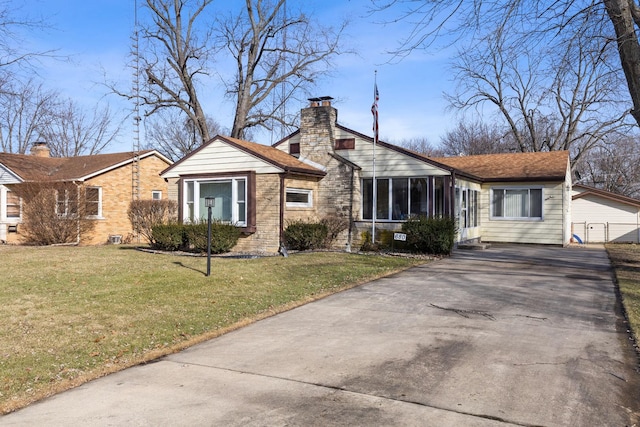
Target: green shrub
{"points": [[193, 237], [224, 237], [430, 235], [300, 235], [167, 237]]}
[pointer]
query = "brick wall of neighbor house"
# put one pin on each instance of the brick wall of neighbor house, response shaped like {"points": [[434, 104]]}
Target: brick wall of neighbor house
{"points": [[267, 236], [116, 196]]}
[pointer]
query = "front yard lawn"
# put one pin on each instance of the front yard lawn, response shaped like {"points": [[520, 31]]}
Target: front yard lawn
{"points": [[626, 264], [71, 314]]}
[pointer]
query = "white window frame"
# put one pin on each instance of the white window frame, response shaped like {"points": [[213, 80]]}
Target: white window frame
{"points": [[390, 199], [156, 195], [235, 211], [4, 200], [466, 207], [307, 192], [99, 215], [62, 198], [493, 217]]}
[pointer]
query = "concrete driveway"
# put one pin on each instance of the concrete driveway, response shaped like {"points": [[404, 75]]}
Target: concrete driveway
{"points": [[513, 335]]}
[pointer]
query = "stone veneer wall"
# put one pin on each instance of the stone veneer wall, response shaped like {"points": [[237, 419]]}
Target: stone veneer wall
{"points": [[298, 213], [338, 192], [266, 239]]}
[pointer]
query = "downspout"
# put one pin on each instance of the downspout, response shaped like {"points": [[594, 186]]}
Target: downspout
{"points": [[452, 195], [348, 248], [282, 249], [79, 212]]}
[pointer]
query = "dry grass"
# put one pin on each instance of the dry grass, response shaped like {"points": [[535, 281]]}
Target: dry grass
{"points": [[71, 314], [626, 263]]}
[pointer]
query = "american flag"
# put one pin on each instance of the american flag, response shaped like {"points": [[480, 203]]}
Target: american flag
{"points": [[374, 111]]}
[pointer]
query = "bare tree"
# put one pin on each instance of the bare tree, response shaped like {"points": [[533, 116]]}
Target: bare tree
{"points": [[625, 17], [472, 138], [548, 102], [175, 56], [12, 47], [614, 165], [531, 22], [174, 135], [54, 212], [421, 146], [24, 111], [69, 131], [277, 56]]}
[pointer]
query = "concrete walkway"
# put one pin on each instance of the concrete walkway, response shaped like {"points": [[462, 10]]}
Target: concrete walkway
{"points": [[514, 335]]}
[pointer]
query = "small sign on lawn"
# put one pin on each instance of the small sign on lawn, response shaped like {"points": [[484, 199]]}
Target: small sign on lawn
{"points": [[400, 236]]}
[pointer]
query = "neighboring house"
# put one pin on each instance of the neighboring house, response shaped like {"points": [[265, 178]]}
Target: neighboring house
{"points": [[326, 170], [602, 216], [107, 180]]}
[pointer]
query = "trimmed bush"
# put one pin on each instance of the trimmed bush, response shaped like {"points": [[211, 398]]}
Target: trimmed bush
{"points": [[430, 235], [167, 237], [223, 237], [301, 236], [193, 237]]}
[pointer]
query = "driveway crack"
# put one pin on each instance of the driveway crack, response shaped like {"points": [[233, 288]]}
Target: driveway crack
{"points": [[343, 389], [466, 313]]}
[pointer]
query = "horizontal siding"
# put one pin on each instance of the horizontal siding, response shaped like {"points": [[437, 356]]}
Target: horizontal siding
{"points": [[219, 157], [548, 231], [463, 183], [597, 219], [389, 163], [7, 177], [591, 208]]}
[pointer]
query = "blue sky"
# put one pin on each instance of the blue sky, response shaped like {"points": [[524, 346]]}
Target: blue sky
{"points": [[96, 35]]}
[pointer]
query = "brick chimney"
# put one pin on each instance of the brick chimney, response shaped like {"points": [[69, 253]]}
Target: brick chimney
{"points": [[40, 149], [317, 130]]}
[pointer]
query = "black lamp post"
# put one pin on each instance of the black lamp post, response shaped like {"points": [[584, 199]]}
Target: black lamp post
{"points": [[209, 202]]}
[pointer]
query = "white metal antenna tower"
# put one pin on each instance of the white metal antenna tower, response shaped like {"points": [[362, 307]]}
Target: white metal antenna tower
{"points": [[135, 168]]}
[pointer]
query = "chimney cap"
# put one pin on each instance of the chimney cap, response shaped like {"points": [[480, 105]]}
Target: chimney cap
{"points": [[321, 98]]}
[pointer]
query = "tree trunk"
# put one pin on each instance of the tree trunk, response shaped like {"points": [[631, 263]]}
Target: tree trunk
{"points": [[619, 12]]}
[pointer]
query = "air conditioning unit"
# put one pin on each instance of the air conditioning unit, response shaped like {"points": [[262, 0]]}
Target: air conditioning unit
{"points": [[115, 239]]}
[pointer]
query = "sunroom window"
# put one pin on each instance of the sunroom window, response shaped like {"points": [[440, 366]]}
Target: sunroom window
{"points": [[396, 198], [516, 203], [229, 194]]}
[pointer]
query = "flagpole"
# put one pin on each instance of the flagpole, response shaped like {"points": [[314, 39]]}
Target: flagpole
{"points": [[374, 110]]}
